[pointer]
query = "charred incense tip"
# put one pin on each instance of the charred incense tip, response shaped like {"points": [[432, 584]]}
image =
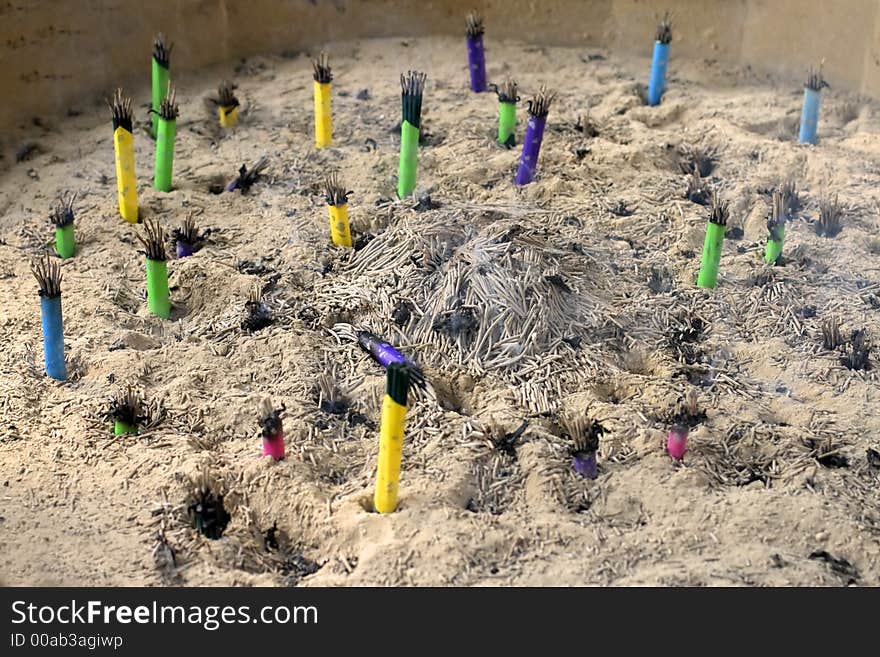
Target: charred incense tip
{"points": [[583, 432], [48, 275], [412, 87], [507, 91], [126, 407], [120, 109], [334, 191], [475, 27], [412, 84], [270, 418], [226, 95], [153, 240], [815, 80], [321, 65], [162, 50], [168, 108], [539, 105], [188, 233], [397, 382], [62, 213], [664, 29], [720, 211]]}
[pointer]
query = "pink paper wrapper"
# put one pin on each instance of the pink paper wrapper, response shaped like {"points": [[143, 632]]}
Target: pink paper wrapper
{"points": [[676, 442], [274, 446]]}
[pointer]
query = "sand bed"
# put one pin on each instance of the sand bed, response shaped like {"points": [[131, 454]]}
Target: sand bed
{"points": [[573, 296]]}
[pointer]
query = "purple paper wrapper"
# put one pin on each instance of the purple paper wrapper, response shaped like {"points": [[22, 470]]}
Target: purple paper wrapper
{"points": [[477, 63], [585, 465], [183, 249], [531, 148]]}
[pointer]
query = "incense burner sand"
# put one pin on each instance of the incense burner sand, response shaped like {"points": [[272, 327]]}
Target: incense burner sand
{"points": [[589, 273]]}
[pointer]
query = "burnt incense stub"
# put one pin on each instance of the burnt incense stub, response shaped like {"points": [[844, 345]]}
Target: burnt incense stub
{"points": [[815, 81], [507, 91], [831, 337], [334, 191], [475, 28], [153, 240], [62, 213], [664, 29], [189, 234], [539, 105], [226, 95], [412, 88], [856, 352], [120, 109], [584, 434], [168, 108], [720, 212], [247, 177], [830, 211], [321, 67], [126, 407], [257, 313], [162, 51], [270, 419], [48, 275]]}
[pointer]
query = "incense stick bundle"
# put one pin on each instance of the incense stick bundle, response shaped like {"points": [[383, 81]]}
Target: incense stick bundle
{"points": [[48, 275], [385, 354], [161, 75], [584, 435], [718, 216], [123, 146], [153, 240], [412, 87], [476, 54], [247, 177], [507, 100], [323, 116], [539, 107], [168, 113], [125, 411], [810, 112], [227, 105], [62, 217], [660, 61], [337, 207], [776, 228], [272, 430], [187, 239], [394, 407]]}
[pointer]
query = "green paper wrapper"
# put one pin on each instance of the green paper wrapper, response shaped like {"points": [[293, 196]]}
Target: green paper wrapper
{"points": [[164, 155], [160, 89], [157, 288], [64, 241], [409, 159], [120, 428], [711, 256], [507, 123], [774, 247]]}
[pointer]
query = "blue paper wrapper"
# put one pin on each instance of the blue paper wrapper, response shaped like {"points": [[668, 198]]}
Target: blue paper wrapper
{"points": [[809, 116], [477, 63], [53, 337], [657, 83], [531, 149]]}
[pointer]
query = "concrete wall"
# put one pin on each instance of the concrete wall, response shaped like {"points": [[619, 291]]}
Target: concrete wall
{"points": [[53, 51]]}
